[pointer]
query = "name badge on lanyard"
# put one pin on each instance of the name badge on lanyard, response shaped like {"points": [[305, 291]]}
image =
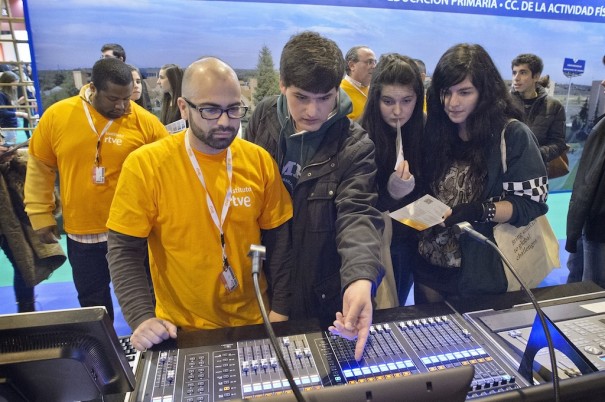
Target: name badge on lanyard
{"points": [[227, 276], [98, 171], [98, 175]]}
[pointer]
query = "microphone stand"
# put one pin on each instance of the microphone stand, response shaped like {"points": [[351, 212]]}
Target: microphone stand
{"points": [[257, 252], [465, 227]]}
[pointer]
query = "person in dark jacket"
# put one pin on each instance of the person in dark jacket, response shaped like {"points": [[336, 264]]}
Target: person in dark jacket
{"points": [[9, 114], [24, 293], [544, 114], [586, 214], [327, 164], [469, 111]]}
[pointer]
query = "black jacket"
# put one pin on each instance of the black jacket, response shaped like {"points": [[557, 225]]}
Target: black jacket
{"points": [[587, 204], [525, 187], [336, 229], [546, 119]]}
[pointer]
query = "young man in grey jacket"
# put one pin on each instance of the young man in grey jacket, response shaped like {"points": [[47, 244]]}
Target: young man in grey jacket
{"points": [[327, 164]]}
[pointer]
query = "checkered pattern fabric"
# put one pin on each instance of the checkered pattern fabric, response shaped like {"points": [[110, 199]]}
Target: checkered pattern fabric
{"points": [[89, 238], [534, 189]]}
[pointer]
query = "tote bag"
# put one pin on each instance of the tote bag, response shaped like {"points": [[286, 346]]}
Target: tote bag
{"points": [[533, 249], [386, 294], [559, 166]]}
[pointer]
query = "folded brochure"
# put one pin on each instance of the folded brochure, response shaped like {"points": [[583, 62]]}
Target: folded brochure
{"points": [[422, 213]]}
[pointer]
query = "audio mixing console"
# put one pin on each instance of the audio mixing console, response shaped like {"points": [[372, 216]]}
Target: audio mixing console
{"points": [[581, 321], [249, 368]]}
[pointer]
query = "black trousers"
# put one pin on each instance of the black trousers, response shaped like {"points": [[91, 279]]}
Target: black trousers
{"points": [[91, 274]]}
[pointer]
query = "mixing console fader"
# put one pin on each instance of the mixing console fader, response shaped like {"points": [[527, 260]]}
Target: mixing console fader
{"points": [[261, 373], [250, 368]]}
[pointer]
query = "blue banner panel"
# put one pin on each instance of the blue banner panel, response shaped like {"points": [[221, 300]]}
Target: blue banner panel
{"points": [[575, 67], [587, 11]]}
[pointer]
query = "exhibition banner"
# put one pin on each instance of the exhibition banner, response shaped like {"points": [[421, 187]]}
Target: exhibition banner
{"points": [[586, 10]]}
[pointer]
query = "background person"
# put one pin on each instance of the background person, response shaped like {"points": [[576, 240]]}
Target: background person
{"points": [[140, 95], [169, 79], [85, 139], [422, 67], [361, 62], [586, 214], [24, 294], [113, 50], [9, 114], [27, 98], [543, 113]]}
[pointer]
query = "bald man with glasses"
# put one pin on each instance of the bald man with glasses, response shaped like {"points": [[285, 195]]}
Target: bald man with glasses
{"points": [[199, 199]]}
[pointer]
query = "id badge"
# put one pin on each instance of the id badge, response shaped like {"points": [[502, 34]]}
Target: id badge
{"points": [[228, 278], [98, 175]]}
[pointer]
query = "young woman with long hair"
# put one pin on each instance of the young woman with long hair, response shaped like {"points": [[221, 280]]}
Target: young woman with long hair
{"points": [[470, 110], [169, 80], [394, 119]]}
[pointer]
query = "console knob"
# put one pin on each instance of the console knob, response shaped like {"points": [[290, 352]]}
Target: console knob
{"points": [[593, 350]]}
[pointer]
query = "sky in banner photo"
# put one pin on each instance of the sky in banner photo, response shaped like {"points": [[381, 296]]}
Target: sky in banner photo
{"points": [[68, 34]]}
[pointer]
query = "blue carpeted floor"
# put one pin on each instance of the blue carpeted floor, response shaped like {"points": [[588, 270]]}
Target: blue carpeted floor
{"points": [[54, 296], [59, 292]]}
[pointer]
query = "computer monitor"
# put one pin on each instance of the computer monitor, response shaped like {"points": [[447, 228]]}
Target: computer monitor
{"points": [[62, 355]]}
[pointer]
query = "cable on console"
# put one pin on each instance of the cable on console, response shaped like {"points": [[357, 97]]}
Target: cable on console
{"points": [[257, 253], [465, 227]]}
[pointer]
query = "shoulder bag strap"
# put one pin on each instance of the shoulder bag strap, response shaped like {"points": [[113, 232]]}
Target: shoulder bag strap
{"points": [[503, 146]]}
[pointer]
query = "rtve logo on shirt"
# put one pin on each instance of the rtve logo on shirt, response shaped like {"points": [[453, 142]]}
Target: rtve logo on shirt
{"points": [[239, 198], [113, 138]]}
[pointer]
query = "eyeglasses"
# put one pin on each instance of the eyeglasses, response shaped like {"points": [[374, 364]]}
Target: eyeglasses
{"points": [[215, 113], [369, 62]]}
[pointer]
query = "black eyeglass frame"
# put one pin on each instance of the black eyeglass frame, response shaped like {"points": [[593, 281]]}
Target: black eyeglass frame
{"points": [[201, 111]]}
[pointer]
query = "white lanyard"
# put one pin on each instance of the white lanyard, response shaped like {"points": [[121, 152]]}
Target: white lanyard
{"points": [[99, 136], [211, 208]]}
